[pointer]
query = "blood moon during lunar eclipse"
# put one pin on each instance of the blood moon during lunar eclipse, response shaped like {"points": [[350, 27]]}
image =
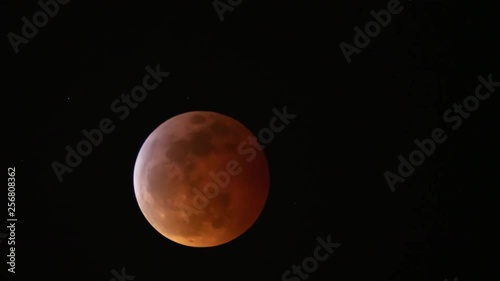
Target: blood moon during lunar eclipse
{"points": [[201, 179]]}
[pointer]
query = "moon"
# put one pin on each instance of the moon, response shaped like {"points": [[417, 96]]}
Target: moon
{"points": [[201, 179]]}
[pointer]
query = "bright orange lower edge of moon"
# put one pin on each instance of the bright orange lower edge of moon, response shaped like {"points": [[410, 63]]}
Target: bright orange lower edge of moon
{"points": [[184, 153]]}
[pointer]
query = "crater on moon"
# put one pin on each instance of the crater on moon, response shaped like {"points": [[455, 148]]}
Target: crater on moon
{"points": [[183, 185]]}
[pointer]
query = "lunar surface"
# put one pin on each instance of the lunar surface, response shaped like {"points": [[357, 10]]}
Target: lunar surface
{"points": [[201, 179]]}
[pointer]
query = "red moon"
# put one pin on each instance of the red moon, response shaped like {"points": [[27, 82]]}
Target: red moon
{"points": [[201, 179]]}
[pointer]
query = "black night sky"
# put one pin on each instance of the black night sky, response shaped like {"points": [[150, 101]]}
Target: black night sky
{"points": [[327, 166]]}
